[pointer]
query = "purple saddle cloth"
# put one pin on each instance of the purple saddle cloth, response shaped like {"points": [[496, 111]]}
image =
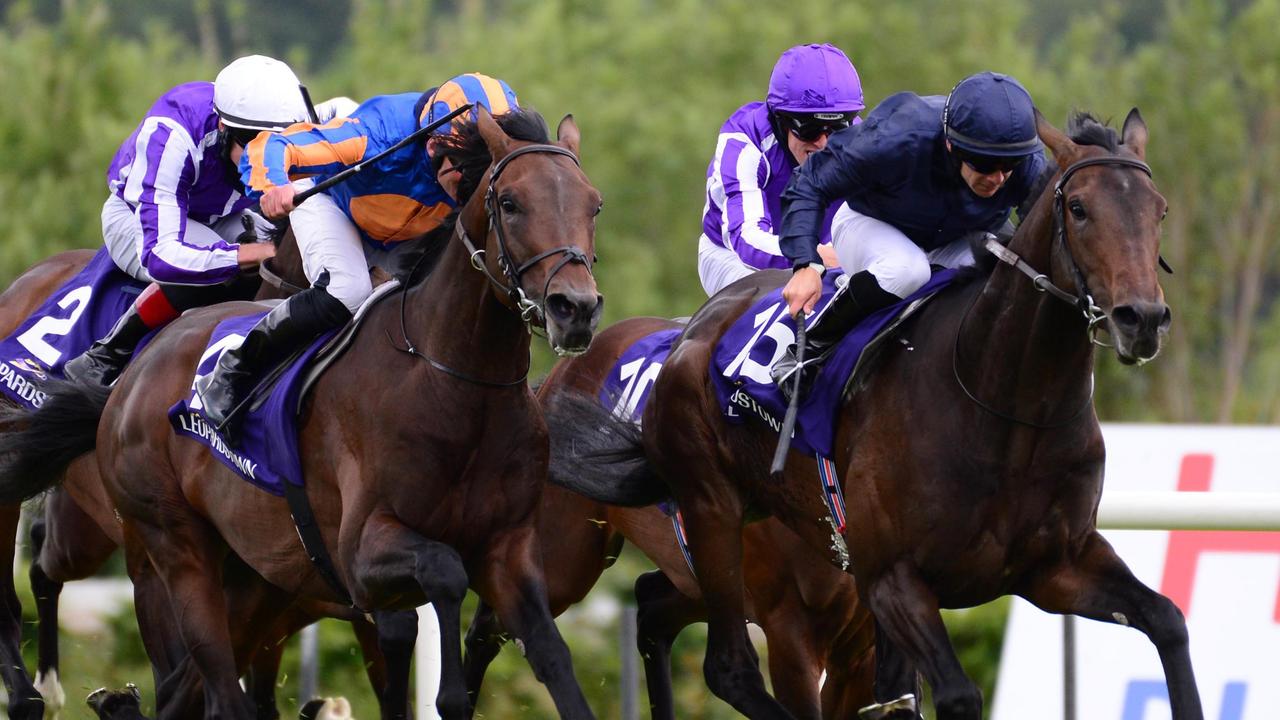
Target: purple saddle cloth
{"points": [[626, 389], [741, 362], [84, 309], [268, 452]]}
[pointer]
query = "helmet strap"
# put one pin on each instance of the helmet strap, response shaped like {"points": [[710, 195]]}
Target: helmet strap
{"points": [[230, 170]]}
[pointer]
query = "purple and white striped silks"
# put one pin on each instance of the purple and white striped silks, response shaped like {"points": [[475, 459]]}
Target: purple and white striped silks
{"points": [[169, 171]]}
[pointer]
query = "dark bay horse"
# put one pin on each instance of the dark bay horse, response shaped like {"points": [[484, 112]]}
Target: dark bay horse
{"points": [[971, 456], [809, 610], [70, 542], [423, 468], [17, 302]]}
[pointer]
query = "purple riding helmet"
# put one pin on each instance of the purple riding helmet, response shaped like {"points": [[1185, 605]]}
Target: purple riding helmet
{"points": [[814, 78]]}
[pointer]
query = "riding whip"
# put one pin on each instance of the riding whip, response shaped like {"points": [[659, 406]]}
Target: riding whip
{"points": [[793, 406]]}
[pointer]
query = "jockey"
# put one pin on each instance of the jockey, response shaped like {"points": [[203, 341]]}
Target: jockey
{"points": [[177, 212], [918, 176], [366, 218], [814, 91]]}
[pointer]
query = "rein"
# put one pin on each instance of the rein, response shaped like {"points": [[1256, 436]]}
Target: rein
{"points": [[1093, 315], [530, 311]]}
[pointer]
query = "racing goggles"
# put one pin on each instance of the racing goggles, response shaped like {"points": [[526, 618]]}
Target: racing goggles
{"points": [[808, 127], [988, 164]]}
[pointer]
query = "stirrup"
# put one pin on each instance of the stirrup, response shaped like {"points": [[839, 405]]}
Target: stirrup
{"points": [[903, 707]]}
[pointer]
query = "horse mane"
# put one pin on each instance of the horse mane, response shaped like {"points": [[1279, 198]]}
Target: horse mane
{"points": [[1085, 129], [466, 149]]}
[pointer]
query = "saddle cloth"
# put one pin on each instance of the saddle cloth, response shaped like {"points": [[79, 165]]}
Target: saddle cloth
{"points": [[84, 309], [267, 455], [741, 362]]}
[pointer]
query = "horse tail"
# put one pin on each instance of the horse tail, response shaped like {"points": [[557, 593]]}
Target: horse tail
{"points": [[41, 444], [599, 455]]}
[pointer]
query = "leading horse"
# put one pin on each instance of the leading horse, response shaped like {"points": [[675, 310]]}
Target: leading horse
{"points": [[423, 449], [972, 458]]}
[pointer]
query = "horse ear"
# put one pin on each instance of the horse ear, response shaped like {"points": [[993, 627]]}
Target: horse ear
{"points": [[494, 138], [1059, 144], [1134, 134], [568, 135]]}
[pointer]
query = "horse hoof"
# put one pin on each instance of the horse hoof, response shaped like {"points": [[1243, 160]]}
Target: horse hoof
{"points": [[106, 703], [50, 688], [904, 708], [326, 709]]}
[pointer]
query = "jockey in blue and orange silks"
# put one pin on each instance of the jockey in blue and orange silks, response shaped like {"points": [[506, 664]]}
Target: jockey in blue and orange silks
{"points": [[814, 91], [369, 217], [177, 213]]}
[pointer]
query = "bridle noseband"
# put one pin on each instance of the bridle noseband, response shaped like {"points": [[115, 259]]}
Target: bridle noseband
{"points": [[532, 312]]}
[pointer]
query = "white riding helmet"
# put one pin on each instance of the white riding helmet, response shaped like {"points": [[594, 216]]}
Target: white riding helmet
{"points": [[256, 92]]}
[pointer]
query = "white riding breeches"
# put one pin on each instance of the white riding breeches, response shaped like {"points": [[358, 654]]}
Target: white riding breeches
{"points": [[898, 264], [328, 240], [719, 266]]}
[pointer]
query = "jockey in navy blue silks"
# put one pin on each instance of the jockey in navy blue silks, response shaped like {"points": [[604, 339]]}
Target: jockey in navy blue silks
{"points": [[918, 176]]}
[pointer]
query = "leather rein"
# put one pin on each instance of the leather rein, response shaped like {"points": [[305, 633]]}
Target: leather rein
{"points": [[1094, 316], [532, 312]]}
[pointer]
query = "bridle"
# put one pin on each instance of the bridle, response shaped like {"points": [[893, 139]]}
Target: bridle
{"points": [[1093, 315], [532, 312]]}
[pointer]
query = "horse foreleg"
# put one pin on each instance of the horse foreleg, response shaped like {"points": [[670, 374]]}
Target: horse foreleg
{"points": [[1098, 585], [484, 639], [662, 612], [25, 703], [188, 556], [795, 662], [512, 583], [906, 610], [391, 559], [397, 633]]}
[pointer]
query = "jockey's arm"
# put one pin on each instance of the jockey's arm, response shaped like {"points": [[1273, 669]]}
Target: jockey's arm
{"points": [[161, 205], [745, 224], [826, 177], [273, 160]]}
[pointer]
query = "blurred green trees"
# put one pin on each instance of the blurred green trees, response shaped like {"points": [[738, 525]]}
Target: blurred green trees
{"points": [[650, 82]]}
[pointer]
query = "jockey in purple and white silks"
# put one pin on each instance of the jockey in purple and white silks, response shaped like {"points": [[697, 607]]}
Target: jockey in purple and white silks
{"points": [[814, 91], [917, 177], [177, 210]]}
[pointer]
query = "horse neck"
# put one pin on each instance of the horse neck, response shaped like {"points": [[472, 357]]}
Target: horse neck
{"points": [[1023, 351], [461, 322]]}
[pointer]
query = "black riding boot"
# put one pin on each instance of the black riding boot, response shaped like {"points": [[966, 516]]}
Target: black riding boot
{"points": [[105, 359], [860, 297], [290, 324], [158, 305]]}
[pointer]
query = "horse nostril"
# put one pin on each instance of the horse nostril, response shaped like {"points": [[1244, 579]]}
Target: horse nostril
{"points": [[560, 307], [1126, 316], [1166, 319]]}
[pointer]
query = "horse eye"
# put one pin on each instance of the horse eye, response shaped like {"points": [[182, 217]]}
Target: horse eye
{"points": [[1077, 209], [598, 210], [508, 205]]}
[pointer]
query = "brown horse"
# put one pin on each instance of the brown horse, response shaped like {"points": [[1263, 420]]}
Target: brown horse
{"points": [[75, 531], [418, 483], [808, 609], [972, 459], [17, 303]]}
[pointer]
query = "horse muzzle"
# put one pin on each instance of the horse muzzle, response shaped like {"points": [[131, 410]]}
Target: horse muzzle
{"points": [[1139, 329], [571, 321]]}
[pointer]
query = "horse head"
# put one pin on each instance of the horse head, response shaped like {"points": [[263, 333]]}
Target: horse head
{"points": [[1107, 214], [539, 214]]}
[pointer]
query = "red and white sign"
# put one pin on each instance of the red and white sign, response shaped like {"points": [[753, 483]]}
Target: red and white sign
{"points": [[1226, 583]]}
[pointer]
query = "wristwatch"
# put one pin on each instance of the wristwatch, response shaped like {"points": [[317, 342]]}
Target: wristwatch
{"points": [[819, 267]]}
